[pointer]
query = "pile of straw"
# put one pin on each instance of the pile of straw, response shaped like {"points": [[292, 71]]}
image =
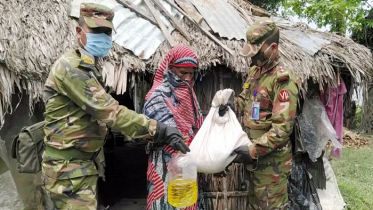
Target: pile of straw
{"points": [[354, 140]]}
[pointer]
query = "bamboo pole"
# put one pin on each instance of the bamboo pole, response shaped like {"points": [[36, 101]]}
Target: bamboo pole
{"points": [[212, 37], [228, 194], [223, 193], [140, 12], [190, 10], [160, 23], [172, 20]]}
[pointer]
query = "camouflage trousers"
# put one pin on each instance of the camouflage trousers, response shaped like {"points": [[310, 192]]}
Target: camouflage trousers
{"points": [[268, 181], [70, 194]]}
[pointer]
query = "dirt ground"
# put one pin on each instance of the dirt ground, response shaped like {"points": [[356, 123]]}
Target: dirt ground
{"points": [[9, 199], [130, 204]]}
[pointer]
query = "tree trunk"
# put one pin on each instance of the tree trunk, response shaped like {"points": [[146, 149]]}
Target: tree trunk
{"points": [[367, 111]]}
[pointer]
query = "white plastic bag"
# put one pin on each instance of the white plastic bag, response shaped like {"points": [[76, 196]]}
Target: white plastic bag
{"points": [[316, 129], [217, 138], [330, 198]]}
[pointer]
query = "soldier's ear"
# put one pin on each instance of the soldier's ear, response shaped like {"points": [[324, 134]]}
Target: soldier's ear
{"points": [[78, 30], [274, 47]]}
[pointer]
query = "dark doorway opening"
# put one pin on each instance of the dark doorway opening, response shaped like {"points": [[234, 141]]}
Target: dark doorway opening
{"points": [[126, 164]]}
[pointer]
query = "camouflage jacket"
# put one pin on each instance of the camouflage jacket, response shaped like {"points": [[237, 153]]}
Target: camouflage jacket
{"points": [[77, 112], [277, 92]]}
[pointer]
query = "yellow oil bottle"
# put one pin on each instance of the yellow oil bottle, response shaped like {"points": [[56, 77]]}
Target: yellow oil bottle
{"points": [[182, 181], [182, 192]]}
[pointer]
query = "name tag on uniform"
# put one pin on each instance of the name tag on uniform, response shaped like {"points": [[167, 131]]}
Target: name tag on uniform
{"points": [[255, 110]]}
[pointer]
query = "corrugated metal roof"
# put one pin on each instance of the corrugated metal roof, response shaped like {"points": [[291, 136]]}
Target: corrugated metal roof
{"points": [[311, 44], [132, 32], [222, 18]]}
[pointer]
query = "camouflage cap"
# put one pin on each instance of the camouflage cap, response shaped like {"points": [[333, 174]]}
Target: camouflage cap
{"points": [[259, 31], [96, 15]]}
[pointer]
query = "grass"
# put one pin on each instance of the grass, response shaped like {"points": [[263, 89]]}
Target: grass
{"points": [[354, 172]]}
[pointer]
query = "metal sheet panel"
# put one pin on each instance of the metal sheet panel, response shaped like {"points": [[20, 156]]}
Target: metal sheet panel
{"points": [[222, 18], [132, 32], [310, 43]]}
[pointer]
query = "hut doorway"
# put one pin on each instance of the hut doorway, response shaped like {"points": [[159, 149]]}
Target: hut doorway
{"points": [[126, 162]]}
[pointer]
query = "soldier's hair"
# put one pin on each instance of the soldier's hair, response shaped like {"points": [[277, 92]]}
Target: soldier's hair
{"points": [[275, 38], [81, 22]]}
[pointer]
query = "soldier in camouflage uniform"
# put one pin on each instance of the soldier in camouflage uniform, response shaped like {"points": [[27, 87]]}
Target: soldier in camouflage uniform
{"points": [[77, 112], [268, 103]]}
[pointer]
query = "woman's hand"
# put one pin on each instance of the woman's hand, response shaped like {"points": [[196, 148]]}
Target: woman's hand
{"points": [[185, 139]]}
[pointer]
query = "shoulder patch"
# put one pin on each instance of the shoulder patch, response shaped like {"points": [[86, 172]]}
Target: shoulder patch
{"points": [[282, 74], [87, 60], [284, 95]]}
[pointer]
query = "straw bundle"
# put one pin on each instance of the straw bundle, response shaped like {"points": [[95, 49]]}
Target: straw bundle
{"points": [[354, 140]]}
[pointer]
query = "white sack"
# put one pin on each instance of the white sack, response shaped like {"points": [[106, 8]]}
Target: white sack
{"points": [[217, 138]]}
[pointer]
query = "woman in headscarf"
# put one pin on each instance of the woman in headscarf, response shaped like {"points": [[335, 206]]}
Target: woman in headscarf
{"points": [[172, 101]]}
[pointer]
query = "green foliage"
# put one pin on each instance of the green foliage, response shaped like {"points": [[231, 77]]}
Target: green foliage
{"points": [[269, 5], [341, 15], [364, 35], [357, 120]]}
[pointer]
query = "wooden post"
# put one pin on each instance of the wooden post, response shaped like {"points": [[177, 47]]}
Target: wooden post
{"points": [[221, 78], [140, 12], [135, 101], [155, 14], [190, 10], [225, 193], [172, 20], [208, 34]]}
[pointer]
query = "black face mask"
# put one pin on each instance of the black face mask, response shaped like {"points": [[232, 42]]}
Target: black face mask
{"points": [[258, 58]]}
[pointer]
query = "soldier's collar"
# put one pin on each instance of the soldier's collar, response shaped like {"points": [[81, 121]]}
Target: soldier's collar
{"points": [[87, 59]]}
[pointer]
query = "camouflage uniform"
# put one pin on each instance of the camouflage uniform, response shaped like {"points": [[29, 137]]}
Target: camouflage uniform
{"points": [[77, 112], [277, 91]]}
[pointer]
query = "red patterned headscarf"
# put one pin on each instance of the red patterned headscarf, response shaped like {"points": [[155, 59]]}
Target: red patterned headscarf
{"points": [[185, 115]]}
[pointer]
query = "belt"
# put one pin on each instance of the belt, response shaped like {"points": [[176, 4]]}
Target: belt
{"points": [[69, 154]]}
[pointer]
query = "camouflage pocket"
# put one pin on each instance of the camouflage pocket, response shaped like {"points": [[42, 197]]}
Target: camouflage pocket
{"points": [[272, 195], [76, 193]]}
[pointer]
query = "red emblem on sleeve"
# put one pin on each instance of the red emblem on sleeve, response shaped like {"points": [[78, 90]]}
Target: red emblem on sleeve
{"points": [[284, 96]]}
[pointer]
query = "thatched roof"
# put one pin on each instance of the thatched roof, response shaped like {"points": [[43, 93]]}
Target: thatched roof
{"points": [[34, 33]]}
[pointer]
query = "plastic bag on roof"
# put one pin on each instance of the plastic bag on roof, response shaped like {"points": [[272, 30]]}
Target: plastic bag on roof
{"points": [[316, 129], [217, 138]]}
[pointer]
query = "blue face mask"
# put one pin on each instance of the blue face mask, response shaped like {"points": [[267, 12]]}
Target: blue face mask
{"points": [[98, 44]]}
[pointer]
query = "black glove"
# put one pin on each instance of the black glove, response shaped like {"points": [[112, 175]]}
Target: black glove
{"points": [[170, 136], [243, 155], [223, 109]]}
